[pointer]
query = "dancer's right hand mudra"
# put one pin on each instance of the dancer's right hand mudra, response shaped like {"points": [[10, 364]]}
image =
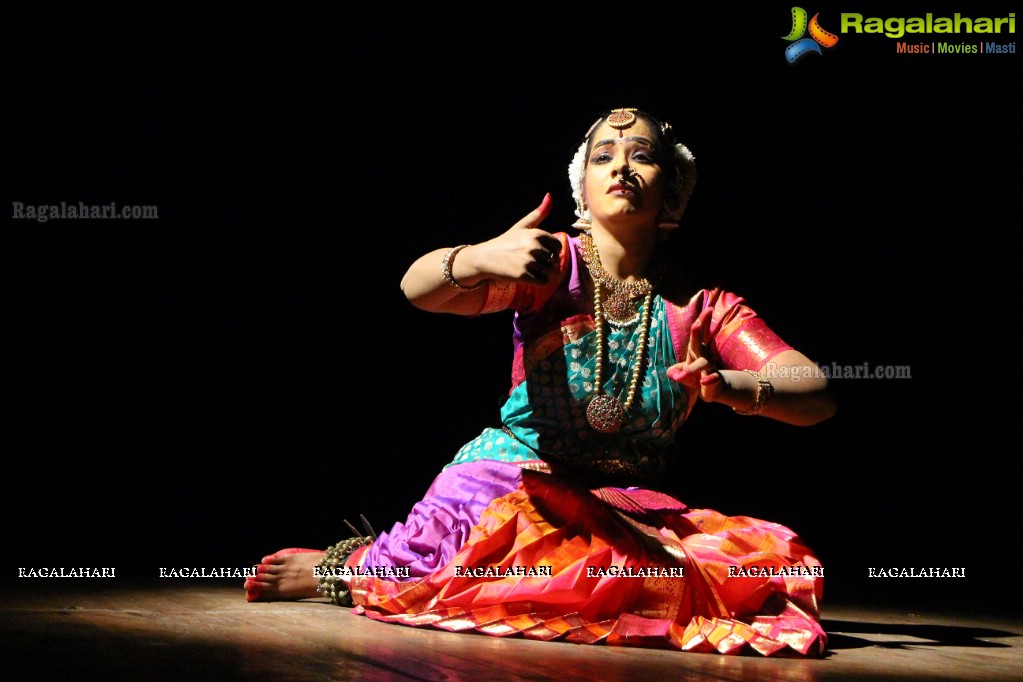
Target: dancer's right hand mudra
{"points": [[524, 253]]}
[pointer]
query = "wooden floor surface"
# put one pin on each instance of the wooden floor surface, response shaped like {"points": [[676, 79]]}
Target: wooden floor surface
{"points": [[68, 630]]}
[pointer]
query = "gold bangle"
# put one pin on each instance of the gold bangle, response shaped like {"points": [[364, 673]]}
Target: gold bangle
{"points": [[763, 395], [445, 268]]}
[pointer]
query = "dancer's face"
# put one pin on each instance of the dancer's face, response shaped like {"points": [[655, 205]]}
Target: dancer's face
{"points": [[623, 177]]}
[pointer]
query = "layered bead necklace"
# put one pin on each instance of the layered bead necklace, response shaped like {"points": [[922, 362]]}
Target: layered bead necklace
{"points": [[606, 413]]}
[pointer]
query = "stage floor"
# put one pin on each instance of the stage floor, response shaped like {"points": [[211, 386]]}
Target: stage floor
{"points": [[78, 629]]}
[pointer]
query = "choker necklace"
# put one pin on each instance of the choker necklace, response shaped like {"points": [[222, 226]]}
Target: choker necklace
{"points": [[620, 309], [606, 413]]}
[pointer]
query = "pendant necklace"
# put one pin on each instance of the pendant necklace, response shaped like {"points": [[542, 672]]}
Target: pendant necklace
{"points": [[606, 413], [620, 308]]}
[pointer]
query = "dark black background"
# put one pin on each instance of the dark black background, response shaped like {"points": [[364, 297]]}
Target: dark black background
{"points": [[243, 373]]}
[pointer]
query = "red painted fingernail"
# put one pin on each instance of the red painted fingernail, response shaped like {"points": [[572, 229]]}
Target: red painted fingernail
{"points": [[545, 204]]}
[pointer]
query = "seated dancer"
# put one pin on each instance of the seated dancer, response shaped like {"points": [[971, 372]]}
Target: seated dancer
{"points": [[556, 523]]}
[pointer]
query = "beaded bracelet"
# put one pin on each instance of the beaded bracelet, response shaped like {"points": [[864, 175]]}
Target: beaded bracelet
{"points": [[764, 392], [332, 585], [445, 268]]}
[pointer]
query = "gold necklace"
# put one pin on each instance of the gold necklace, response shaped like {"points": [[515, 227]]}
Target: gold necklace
{"points": [[606, 413], [620, 309]]}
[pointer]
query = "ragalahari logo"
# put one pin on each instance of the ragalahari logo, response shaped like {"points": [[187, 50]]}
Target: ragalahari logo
{"points": [[800, 44]]}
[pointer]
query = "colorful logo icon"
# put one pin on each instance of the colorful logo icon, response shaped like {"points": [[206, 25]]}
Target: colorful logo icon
{"points": [[800, 45]]}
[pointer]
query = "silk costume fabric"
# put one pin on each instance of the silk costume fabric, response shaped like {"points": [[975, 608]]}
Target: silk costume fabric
{"points": [[545, 490]]}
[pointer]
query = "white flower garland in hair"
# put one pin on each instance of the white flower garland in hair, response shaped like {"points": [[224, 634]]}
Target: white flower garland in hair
{"points": [[687, 177], [576, 169]]}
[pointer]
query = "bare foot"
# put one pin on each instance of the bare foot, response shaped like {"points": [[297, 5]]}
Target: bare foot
{"points": [[286, 575]]}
